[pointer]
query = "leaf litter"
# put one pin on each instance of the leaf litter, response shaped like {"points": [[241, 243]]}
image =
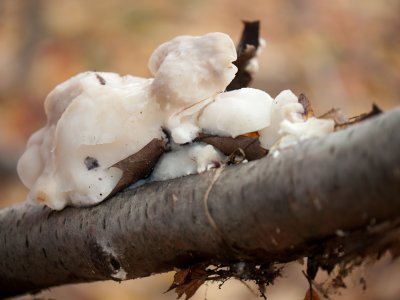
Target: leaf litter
{"points": [[187, 281]]}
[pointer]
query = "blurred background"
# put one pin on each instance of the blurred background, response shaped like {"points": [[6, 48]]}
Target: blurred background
{"points": [[340, 53]]}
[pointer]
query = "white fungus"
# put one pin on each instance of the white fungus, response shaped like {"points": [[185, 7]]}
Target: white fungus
{"points": [[233, 113], [95, 120], [91, 126], [188, 69], [253, 65], [280, 110], [288, 125], [186, 160]]}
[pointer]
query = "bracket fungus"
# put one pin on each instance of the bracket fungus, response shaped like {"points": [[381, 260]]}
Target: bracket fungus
{"points": [[102, 126]]}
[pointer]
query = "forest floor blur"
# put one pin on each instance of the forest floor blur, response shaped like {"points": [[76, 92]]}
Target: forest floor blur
{"points": [[341, 54]]}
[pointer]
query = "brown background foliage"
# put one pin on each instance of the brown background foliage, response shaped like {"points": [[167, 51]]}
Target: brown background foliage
{"points": [[340, 53]]}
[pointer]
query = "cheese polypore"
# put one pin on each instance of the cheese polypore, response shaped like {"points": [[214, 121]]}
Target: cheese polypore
{"points": [[288, 125], [97, 119]]}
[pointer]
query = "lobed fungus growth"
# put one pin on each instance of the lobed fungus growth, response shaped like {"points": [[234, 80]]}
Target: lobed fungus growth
{"points": [[99, 123]]}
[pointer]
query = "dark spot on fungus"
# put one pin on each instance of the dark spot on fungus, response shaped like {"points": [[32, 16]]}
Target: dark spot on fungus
{"points": [[101, 79], [91, 163]]}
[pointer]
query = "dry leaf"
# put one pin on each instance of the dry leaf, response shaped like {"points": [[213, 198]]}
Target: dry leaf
{"points": [[187, 281], [336, 115], [308, 110], [180, 276], [341, 122], [374, 112], [311, 295], [190, 288], [253, 134], [227, 145], [139, 165]]}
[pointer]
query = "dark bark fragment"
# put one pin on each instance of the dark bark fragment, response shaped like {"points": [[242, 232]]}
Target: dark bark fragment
{"points": [[246, 50], [227, 145]]}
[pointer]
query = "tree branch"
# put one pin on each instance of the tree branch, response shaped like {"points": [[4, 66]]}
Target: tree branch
{"points": [[339, 190]]}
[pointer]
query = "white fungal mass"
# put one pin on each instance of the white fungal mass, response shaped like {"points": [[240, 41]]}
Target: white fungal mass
{"points": [[97, 119]]}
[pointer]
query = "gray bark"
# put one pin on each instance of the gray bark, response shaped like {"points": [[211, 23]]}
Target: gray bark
{"points": [[328, 191]]}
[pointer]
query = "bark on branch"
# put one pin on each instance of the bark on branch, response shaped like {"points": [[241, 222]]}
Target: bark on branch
{"points": [[339, 190]]}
